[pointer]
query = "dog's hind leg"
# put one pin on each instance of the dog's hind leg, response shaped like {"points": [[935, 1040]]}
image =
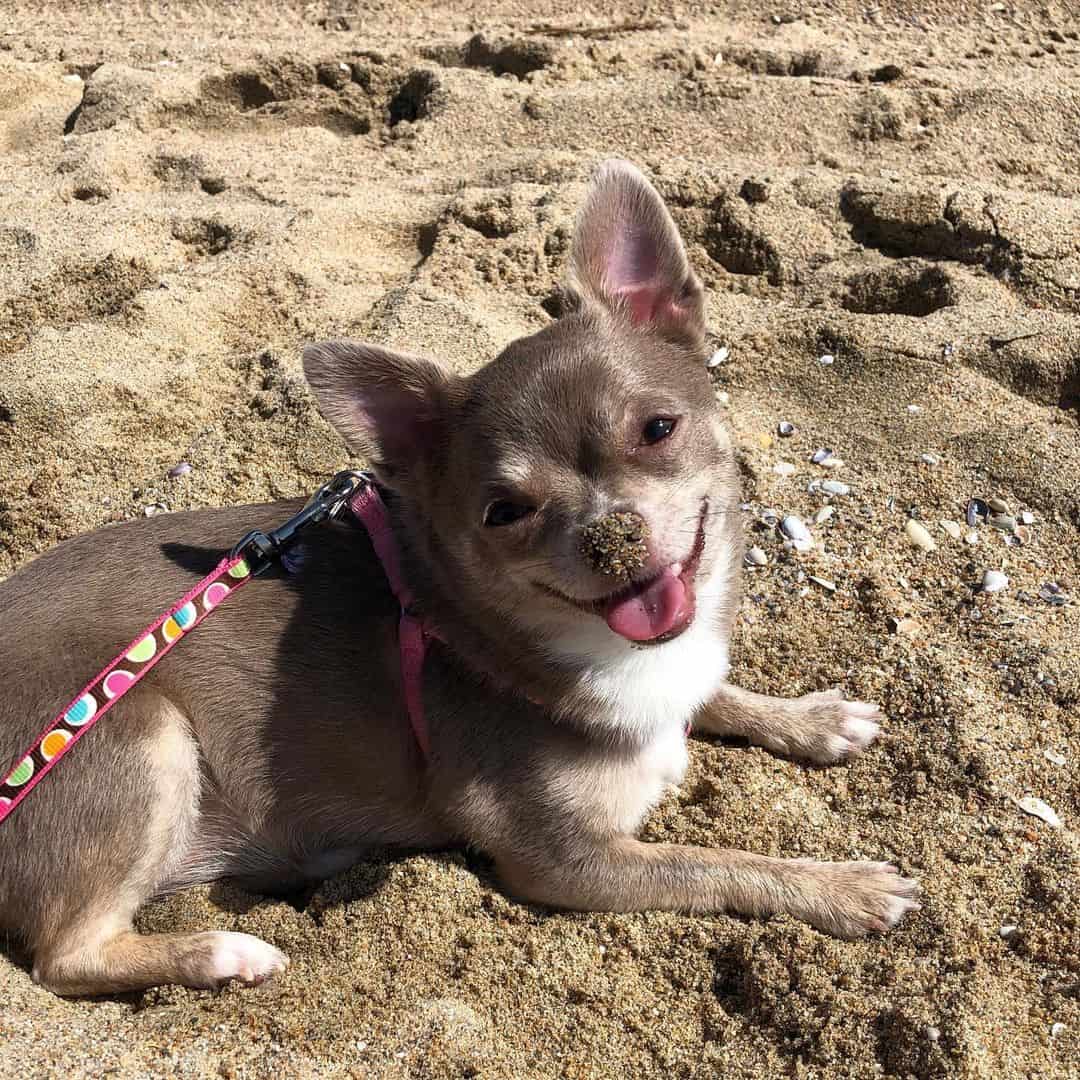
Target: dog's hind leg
{"points": [[820, 727], [106, 831]]}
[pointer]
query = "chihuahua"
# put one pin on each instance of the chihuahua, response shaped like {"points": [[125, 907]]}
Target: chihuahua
{"points": [[567, 518]]}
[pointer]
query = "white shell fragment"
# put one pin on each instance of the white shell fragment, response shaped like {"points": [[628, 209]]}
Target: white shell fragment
{"points": [[798, 535], [755, 557], [929, 459], [917, 534], [952, 529], [971, 537], [1007, 931], [785, 429], [820, 456], [1056, 1029], [1027, 517], [823, 515], [826, 359], [828, 586], [1037, 808], [1054, 756], [914, 409], [181, 469], [718, 357], [835, 487], [994, 581], [784, 468]]}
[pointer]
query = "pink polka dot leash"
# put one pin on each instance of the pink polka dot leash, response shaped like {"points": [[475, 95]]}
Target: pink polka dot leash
{"points": [[250, 557]]}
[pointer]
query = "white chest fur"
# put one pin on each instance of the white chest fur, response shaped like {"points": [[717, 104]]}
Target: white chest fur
{"points": [[638, 785]]}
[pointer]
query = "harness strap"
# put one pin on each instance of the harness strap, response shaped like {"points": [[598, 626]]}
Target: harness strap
{"points": [[109, 686], [368, 507]]}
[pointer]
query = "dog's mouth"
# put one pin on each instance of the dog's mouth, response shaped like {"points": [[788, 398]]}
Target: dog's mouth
{"points": [[656, 609]]}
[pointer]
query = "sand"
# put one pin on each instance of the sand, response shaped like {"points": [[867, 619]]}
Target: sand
{"points": [[188, 192]]}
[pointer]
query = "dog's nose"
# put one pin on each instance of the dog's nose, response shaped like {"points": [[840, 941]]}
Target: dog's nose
{"points": [[616, 544]]}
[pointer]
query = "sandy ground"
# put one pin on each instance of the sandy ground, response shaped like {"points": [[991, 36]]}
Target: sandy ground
{"points": [[189, 191]]}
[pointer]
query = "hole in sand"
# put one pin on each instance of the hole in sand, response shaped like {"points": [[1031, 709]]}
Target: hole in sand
{"points": [[413, 100], [916, 290]]}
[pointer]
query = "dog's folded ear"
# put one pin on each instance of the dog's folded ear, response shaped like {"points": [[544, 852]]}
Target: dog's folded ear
{"points": [[628, 256], [389, 408]]}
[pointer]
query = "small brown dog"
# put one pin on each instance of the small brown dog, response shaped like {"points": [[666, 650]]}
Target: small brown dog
{"points": [[568, 518]]}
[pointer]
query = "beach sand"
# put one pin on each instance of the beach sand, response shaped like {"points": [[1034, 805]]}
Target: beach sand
{"points": [[189, 192]]}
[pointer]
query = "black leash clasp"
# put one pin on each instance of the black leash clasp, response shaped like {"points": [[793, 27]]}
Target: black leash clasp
{"points": [[260, 549]]}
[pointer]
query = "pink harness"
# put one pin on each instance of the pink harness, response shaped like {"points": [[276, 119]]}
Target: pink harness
{"points": [[413, 633], [248, 559]]}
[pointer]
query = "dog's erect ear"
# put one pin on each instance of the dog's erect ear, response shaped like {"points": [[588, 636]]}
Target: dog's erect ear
{"points": [[388, 407], [628, 255]]}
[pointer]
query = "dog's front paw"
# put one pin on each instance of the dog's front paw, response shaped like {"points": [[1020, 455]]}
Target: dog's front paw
{"points": [[829, 729], [853, 899]]}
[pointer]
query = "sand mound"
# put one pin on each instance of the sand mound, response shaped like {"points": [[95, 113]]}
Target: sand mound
{"points": [[885, 209]]}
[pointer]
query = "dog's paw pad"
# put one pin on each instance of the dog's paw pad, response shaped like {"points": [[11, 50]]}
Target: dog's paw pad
{"points": [[243, 958]]}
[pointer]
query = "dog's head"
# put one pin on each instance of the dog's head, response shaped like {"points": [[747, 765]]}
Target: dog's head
{"points": [[578, 484]]}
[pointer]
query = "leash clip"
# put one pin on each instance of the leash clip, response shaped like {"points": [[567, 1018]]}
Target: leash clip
{"points": [[259, 549]]}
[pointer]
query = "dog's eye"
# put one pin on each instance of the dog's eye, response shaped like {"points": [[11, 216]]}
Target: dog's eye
{"points": [[504, 512], [657, 430]]}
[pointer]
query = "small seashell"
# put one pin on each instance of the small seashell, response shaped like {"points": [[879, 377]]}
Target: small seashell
{"points": [[770, 517], [154, 509], [820, 456], [1054, 756], [994, 581], [826, 359], [976, 509], [1037, 808], [1003, 522], [785, 429], [971, 537], [718, 357], [835, 487], [784, 468], [1008, 930], [1050, 591], [1027, 517], [1057, 1027], [794, 528], [952, 529], [823, 515], [832, 463], [755, 557], [914, 409], [932, 1033], [917, 534], [999, 506], [1023, 535], [182, 469], [828, 586], [929, 459]]}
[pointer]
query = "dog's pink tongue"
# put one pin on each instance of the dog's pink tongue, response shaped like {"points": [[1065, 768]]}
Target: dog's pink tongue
{"points": [[655, 610]]}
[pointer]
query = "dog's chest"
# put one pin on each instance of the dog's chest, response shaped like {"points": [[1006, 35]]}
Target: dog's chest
{"points": [[638, 784]]}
